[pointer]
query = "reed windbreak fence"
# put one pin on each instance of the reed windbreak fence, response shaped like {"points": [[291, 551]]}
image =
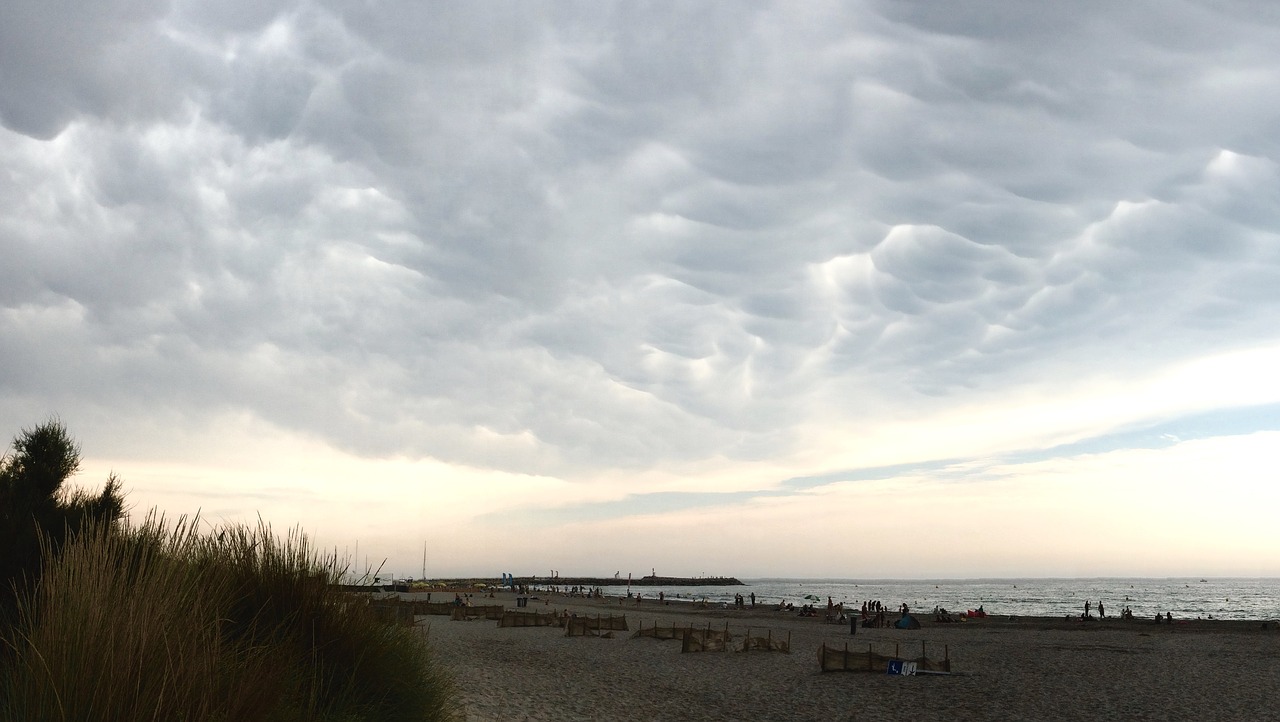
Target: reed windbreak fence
{"points": [[512, 618], [463, 614], [834, 659], [596, 626], [765, 642]]}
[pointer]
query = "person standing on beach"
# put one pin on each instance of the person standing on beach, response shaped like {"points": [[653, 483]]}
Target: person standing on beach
{"points": [[1101, 613], [753, 600]]}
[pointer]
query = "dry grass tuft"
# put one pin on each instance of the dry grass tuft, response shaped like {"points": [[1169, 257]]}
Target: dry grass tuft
{"points": [[163, 623]]}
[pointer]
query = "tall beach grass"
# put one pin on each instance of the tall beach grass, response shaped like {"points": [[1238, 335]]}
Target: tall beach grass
{"points": [[160, 622]]}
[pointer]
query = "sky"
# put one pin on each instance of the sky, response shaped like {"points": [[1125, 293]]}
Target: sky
{"points": [[858, 289]]}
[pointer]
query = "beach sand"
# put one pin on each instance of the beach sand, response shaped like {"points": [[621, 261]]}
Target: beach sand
{"points": [[1025, 669]]}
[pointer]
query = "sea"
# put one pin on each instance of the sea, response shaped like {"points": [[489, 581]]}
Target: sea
{"points": [[1191, 598]]}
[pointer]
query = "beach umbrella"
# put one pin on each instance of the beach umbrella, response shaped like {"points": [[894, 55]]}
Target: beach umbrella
{"points": [[813, 597]]}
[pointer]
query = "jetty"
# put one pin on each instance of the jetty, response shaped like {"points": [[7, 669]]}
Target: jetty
{"points": [[405, 585], [645, 581]]}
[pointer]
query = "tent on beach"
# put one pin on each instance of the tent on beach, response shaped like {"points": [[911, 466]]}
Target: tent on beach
{"points": [[907, 622]]}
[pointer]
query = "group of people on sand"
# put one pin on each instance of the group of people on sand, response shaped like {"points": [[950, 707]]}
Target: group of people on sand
{"points": [[942, 616], [806, 610], [876, 614], [1166, 618], [835, 612], [584, 592], [1126, 614], [874, 606]]}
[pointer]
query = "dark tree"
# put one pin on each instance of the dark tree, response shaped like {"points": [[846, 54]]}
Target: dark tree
{"points": [[36, 511]]}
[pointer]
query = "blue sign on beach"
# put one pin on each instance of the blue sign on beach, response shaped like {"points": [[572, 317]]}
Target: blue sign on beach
{"points": [[898, 666]]}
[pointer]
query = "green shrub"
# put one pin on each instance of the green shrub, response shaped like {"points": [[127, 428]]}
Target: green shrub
{"points": [[35, 508]]}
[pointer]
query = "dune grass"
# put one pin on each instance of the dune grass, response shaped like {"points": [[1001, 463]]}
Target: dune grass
{"points": [[160, 622]]}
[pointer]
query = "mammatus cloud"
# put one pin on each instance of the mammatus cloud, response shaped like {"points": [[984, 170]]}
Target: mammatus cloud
{"points": [[604, 244]]}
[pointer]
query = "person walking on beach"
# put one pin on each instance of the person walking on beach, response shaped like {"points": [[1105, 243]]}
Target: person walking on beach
{"points": [[1101, 613]]}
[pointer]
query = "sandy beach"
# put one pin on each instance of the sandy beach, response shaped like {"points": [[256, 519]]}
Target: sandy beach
{"points": [[1028, 669]]}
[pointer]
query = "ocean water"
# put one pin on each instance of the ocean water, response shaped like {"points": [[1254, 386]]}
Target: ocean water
{"points": [[1218, 598]]}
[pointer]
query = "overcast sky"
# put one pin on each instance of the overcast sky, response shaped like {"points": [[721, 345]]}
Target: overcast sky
{"points": [[850, 289]]}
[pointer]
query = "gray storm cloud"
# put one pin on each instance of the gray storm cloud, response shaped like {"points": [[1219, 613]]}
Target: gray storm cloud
{"points": [[559, 238]]}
